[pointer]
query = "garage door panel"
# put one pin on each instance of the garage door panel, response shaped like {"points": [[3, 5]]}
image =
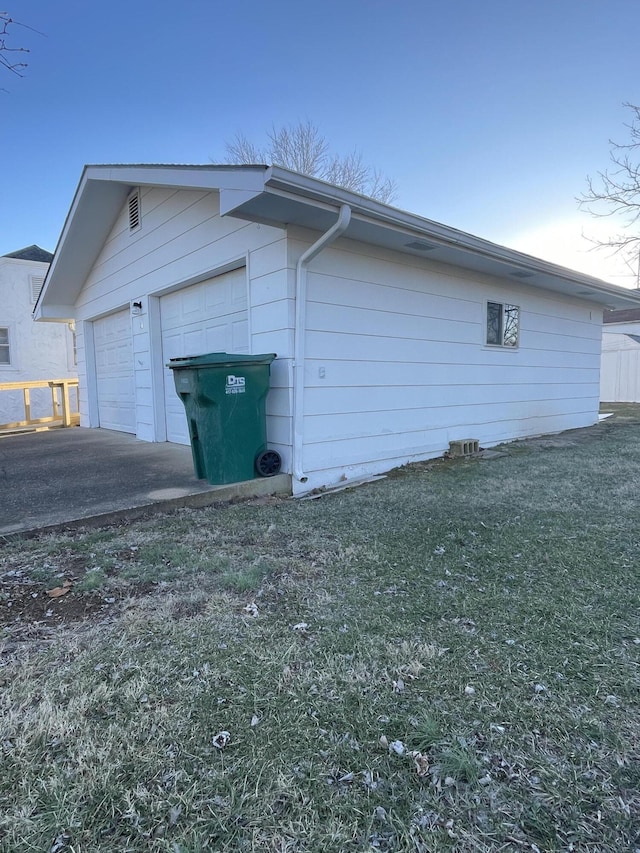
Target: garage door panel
{"points": [[171, 309], [217, 298], [217, 338], [176, 426], [115, 382], [210, 316], [192, 306], [240, 336], [193, 342], [171, 345]]}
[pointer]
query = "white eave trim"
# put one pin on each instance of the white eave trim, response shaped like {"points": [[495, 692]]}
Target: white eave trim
{"points": [[244, 178], [282, 181], [239, 185], [54, 313]]}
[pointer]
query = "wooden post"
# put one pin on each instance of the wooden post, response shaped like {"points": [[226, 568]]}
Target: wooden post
{"points": [[54, 401], [27, 404], [69, 416], [66, 411]]}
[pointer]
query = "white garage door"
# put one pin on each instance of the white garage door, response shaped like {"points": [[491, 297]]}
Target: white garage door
{"points": [[114, 372], [207, 317]]}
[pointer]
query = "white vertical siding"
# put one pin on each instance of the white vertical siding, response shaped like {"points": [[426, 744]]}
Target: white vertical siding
{"points": [[396, 365], [620, 368]]}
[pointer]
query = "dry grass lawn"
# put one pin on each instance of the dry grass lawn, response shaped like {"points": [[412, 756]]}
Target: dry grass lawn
{"points": [[446, 660]]}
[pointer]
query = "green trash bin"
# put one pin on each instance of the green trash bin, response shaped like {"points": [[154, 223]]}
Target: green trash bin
{"points": [[224, 398]]}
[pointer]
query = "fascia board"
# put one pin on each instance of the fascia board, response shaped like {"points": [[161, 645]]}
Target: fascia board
{"points": [[369, 210], [232, 199], [54, 313], [247, 178], [42, 265], [61, 240], [236, 184], [82, 237]]}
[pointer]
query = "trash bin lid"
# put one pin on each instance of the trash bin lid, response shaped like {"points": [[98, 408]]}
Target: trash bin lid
{"points": [[220, 359]]}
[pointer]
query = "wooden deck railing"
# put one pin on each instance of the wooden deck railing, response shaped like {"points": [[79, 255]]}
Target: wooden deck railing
{"points": [[65, 403]]}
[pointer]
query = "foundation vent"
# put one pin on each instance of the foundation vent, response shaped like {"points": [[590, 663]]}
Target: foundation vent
{"points": [[463, 447]]}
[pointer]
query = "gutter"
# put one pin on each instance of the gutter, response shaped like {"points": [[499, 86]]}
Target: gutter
{"points": [[338, 228], [369, 210]]}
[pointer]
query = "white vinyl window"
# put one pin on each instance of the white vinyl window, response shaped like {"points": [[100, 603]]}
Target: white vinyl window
{"points": [[5, 351], [503, 325]]}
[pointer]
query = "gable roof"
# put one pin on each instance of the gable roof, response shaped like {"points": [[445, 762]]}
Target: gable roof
{"points": [[31, 253], [277, 196]]}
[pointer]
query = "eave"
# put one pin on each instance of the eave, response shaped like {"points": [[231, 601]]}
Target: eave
{"points": [[313, 204], [277, 196], [98, 200]]}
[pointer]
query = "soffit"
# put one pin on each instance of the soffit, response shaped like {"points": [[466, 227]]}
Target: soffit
{"points": [[422, 238], [278, 197]]}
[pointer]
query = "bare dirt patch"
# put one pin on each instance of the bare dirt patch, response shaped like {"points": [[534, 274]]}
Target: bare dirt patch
{"points": [[32, 610]]}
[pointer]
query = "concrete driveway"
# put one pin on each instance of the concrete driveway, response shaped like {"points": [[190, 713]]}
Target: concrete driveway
{"points": [[77, 476]]}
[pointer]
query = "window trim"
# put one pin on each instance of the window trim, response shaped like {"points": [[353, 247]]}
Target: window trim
{"points": [[7, 365], [503, 306]]}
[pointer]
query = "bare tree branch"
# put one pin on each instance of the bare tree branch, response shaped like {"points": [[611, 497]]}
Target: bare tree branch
{"points": [[240, 150], [615, 192], [382, 188], [302, 148], [349, 171], [15, 67]]}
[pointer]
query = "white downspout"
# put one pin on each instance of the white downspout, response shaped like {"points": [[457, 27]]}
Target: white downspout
{"points": [[338, 228]]}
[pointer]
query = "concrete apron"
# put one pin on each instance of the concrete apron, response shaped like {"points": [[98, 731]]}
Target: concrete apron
{"points": [[91, 477]]}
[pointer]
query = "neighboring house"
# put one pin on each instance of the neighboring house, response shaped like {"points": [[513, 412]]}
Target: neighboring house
{"points": [[620, 368], [394, 334], [29, 351]]}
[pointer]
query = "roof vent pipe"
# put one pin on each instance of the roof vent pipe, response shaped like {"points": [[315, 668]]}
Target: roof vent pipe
{"points": [[338, 228]]}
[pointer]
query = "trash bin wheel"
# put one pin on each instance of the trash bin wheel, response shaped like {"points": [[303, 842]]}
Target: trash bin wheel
{"points": [[268, 463]]}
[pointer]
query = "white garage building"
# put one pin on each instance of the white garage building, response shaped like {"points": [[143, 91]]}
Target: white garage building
{"points": [[394, 334]]}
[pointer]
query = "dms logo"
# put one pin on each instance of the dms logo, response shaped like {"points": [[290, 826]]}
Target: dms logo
{"points": [[234, 385]]}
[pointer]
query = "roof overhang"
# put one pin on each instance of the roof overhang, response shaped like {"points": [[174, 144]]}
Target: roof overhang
{"points": [[99, 198], [277, 196]]}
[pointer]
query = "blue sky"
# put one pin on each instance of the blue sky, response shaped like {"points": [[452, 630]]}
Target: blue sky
{"points": [[489, 115]]}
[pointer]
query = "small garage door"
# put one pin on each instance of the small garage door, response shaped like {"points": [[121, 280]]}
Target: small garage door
{"points": [[114, 372], [207, 317]]}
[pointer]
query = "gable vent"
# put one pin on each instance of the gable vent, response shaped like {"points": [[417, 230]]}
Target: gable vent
{"points": [[134, 210], [36, 287], [521, 274], [421, 246]]}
